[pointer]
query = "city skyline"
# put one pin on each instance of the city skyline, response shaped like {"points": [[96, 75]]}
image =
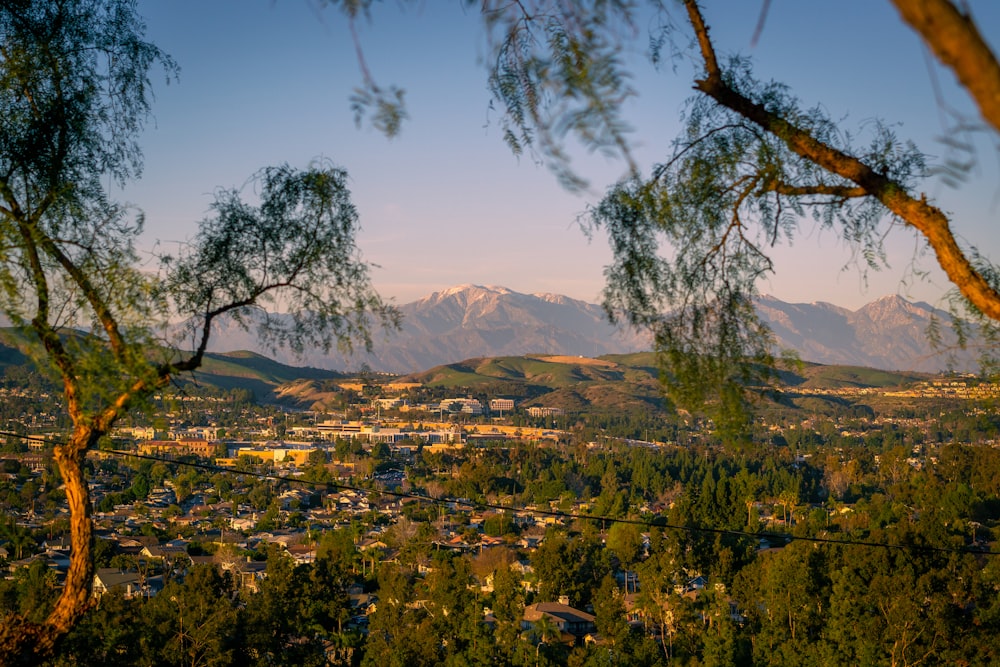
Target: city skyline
{"points": [[445, 203]]}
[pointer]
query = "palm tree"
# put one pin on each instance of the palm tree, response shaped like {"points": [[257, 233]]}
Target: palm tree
{"points": [[19, 539], [544, 631], [787, 499]]}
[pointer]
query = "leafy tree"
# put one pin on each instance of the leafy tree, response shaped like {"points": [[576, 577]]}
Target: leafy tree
{"points": [[508, 609], [74, 94], [691, 238], [785, 596], [267, 621], [318, 456], [546, 637], [19, 540], [338, 546], [296, 609], [456, 616], [401, 631], [36, 589], [111, 633], [609, 617], [569, 565], [194, 620], [324, 606], [722, 644], [624, 540]]}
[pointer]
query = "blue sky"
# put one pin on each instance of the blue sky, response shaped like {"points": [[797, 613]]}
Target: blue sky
{"points": [[267, 82]]}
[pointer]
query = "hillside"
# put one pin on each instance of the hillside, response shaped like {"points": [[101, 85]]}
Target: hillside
{"points": [[574, 383], [260, 374], [630, 382], [472, 321], [224, 371]]}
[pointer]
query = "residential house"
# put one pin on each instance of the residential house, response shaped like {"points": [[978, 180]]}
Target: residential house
{"points": [[129, 582], [302, 553], [566, 619], [171, 552], [247, 574]]}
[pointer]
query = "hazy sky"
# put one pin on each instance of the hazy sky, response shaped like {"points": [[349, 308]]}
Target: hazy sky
{"points": [[268, 82]]}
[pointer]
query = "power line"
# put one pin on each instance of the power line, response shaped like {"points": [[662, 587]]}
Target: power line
{"points": [[482, 505]]}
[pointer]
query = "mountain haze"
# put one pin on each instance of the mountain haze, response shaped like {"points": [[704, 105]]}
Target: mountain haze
{"points": [[473, 321], [889, 333], [463, 322]]}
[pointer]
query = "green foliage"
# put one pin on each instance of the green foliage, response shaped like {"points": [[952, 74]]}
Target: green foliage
{"points": [[508, 609], [689, 241], [624, 540], [400, 631], [796, 603], [558, 72], [384, 106], [296, 248], [973, 329], [609, 616], [570, 566], [111, 634], [74, 94], [31, 592], [19, 541]]}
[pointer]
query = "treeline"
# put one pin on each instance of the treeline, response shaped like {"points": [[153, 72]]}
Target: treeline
{"points": [[805, 603], [203, 619], [876, 550]]}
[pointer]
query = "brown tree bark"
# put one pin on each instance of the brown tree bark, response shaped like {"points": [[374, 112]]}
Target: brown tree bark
{"points": [[929, 220], [26, 643], [956, 41]]}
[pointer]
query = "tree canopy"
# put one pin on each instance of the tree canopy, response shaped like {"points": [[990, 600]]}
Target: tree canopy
{"points": [[75, 91]]}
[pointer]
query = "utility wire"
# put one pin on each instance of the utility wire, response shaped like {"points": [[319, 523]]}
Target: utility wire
{"points": [[482, 505]]}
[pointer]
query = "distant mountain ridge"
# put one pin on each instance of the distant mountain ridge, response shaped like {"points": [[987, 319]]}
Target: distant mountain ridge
{"points": [[889, 333], [474, 321], [464, 322]]}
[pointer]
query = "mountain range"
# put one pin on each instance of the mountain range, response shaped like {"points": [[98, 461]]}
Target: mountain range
{"points": [[471, 321], [889, 333]]}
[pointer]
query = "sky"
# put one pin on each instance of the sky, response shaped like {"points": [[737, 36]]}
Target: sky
{"points": [[268, 82]]}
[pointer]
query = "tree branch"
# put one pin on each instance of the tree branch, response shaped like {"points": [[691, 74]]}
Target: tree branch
{"points": [[663, 168], [194, 361], [928, 220], [958, 44], [90, 292], [839, 191]]}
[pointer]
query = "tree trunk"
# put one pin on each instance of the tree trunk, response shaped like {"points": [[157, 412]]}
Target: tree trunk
{"points": [[72, 603], [26, 643]]}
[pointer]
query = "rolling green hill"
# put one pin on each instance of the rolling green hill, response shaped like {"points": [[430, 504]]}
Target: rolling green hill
{"points": [[571, 383], [232, 370], [552, 372], [619, 382], [248, 370], [556, 372], [630, 382], [818, 376]]}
